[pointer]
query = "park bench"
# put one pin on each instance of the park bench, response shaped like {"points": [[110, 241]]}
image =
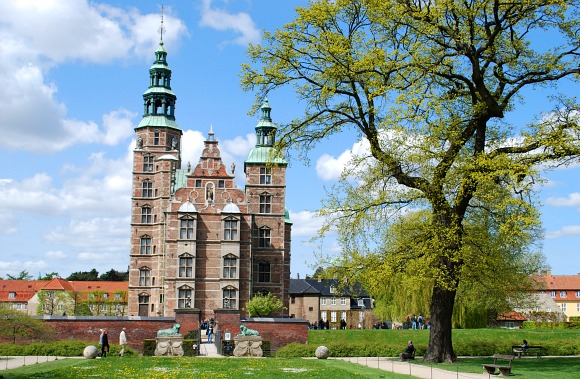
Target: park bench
{"points": [[519, 350], [504, 369]]}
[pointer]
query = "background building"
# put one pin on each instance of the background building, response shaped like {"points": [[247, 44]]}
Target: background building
{"points": [[199, 243]]}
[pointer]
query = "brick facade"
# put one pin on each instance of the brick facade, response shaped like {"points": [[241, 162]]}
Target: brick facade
{"points": [[197, 240]]}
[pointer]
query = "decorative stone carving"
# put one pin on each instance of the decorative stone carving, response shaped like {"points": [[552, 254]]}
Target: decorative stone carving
{"points": [[248, 346], [322, 352], [170, 332], [90, 352], [169, 346]]}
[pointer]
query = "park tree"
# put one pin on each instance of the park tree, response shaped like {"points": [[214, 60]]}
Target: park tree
{"points": [[426, 86], [17, 324], [263, 305], [23, 275], [84, 275], [54, 303], [115, 276], [47, 276]]}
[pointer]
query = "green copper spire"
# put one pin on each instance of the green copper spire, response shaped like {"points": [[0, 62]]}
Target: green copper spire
{"points": [[159, 99], [265, 138]]}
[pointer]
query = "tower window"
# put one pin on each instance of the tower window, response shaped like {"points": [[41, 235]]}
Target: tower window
{"points": [[265, 175], [265, 203], [146, 214], [184, 298], [156, 139], [186, 229], [230, 230], [146, 245], [264, 237], [147, 189], [229, 298], [148, 163], [230, 267], [198, 182], [185, 267], [264, 272], [144, 277]]}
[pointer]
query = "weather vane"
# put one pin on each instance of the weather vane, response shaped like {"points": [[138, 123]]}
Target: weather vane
{"points": [[161, 28]]}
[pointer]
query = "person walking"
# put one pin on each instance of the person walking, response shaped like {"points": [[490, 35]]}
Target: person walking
{"points": [[210, 333], [104, 343], [122, 342]]}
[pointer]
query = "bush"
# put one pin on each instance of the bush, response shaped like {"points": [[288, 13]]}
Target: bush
{"points": [[149, 347], [64, 348]]}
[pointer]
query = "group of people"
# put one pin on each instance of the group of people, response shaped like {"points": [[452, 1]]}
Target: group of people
{"points": [[104, 342], [416, 322], [208, 326]]}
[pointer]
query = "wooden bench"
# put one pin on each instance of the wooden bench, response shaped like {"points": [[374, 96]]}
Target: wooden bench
{"points": [[504, 369], [519, 350]]}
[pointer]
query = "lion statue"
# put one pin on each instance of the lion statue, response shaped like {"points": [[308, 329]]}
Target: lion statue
{"points": [[170, 332], [248, 332]]}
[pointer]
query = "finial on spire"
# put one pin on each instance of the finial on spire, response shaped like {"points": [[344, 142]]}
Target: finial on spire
{"points": [[161, 28]]}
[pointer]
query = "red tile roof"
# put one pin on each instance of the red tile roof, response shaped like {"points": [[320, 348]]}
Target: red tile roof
{"points": [[24, 290], [511, 316]]}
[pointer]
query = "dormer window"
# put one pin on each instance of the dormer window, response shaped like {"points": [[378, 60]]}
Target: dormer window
{"points": [[12, 295]]}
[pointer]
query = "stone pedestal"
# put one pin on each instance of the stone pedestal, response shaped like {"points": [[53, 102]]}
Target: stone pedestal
{"points": [[248, 346], [169, 346]]}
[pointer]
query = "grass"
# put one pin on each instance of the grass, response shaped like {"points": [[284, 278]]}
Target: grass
{"points": [[525, 368], [199, 368]]}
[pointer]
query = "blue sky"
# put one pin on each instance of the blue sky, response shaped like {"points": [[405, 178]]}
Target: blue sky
{"points": [[72, 75]]}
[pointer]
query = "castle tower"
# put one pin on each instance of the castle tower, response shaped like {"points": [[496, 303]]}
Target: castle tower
{"points": [[271, 228], [156, 158]]}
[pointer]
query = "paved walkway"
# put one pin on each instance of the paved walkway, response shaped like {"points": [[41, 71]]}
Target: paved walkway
{"points": [[415, 370], [207, 350]]}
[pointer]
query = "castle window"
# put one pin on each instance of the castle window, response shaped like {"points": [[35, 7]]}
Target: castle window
{"points": [[230, 263], [198, 183], [186, 229], [146, 214], [144, 277], [184, 298], [221, 184], [146, 245], [230, 230], [148, 163], [185, 267], [156, 138], [229, 298], [265, 175], [264, 237], [264, 272], [265, 203], [147, 189]]}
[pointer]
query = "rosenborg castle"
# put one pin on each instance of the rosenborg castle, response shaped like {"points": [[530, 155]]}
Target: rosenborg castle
{"points": [[198, 242]]}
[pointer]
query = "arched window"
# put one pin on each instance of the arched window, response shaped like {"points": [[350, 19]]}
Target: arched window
{"points": [[145, 245], [147, 188], [264, 237], [144, 276], [186, 266], [265, 203], [230, 267], [229, 298], [185, 297], [146, 214]]}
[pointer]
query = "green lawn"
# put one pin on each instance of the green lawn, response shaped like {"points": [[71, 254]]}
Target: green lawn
{"points": [[525, 368], [199, 368]]}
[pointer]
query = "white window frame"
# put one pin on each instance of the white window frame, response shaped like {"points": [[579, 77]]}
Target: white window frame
{"points": [[343, 301], [323, 300]]}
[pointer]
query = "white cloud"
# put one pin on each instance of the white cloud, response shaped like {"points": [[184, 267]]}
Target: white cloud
{"points": [[566, 231], [241, 23], [572, 200], [305, 223], [38, 36], [55, 255], [330, 168]]}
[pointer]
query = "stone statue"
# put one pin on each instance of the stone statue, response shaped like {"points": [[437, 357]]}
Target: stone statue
{"points": [[140, 142], [248, 332], [174, 143], [170, 332]]}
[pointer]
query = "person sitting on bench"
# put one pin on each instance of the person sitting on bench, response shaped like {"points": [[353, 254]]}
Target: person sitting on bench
{"points": [[409, 352]]}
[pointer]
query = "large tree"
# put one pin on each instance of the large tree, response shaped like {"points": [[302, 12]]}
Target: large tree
{"points": [[427, 84]]}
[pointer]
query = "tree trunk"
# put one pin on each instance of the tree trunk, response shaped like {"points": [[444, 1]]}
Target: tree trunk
{"points": [[440, 347]]}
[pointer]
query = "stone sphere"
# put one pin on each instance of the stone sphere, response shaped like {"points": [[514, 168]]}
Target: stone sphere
{"points": [[322, 352], [90, 352]]}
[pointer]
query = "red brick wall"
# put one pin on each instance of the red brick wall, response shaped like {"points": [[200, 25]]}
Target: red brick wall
{"points": [[88, 329]]}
